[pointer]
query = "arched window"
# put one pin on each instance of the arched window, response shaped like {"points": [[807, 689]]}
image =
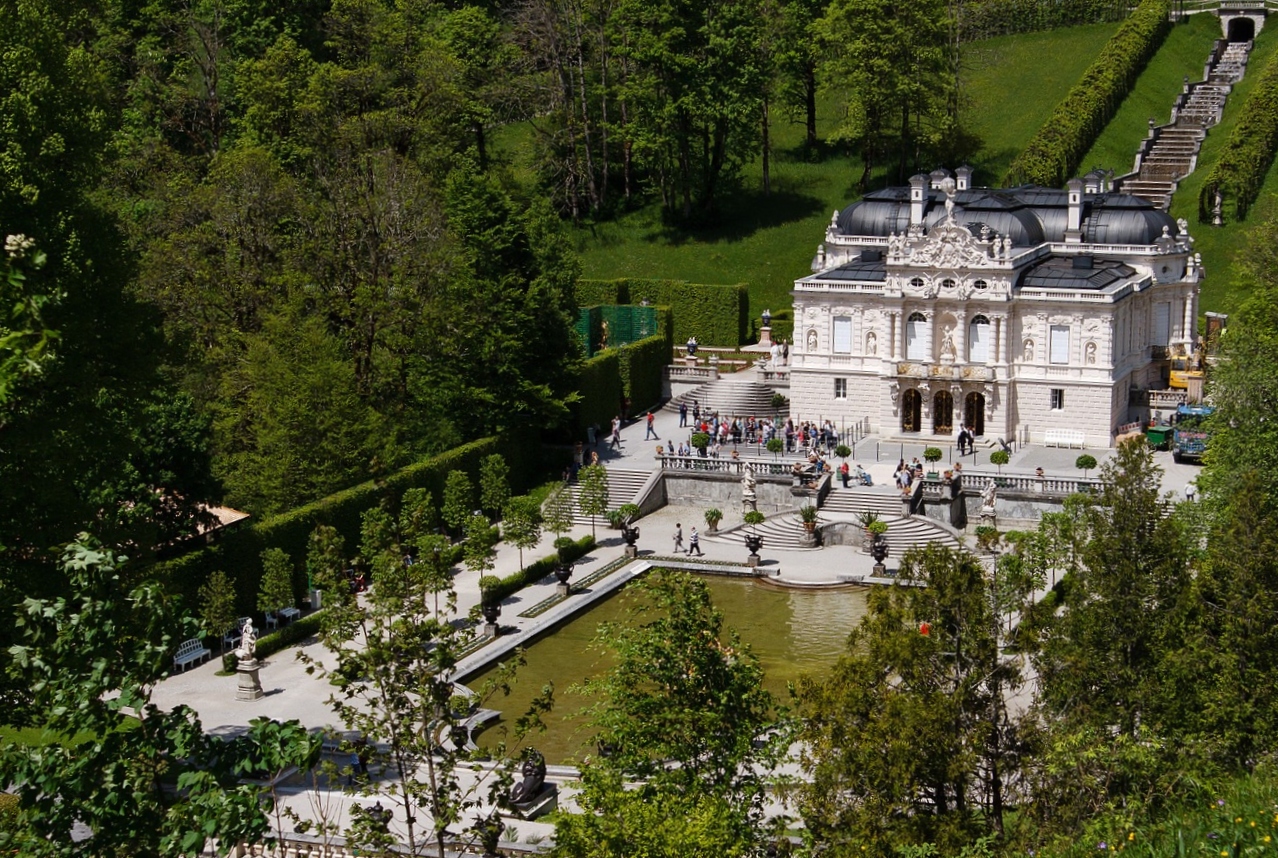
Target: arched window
{"points": [[917, 331], [916, 284], [947, 283], [980, 285], [978, 340]]}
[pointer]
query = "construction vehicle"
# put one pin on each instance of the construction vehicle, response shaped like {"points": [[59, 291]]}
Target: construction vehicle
{"points": [[1184, 366], [1190, 435]]}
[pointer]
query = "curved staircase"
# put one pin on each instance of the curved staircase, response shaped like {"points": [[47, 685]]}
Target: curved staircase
{"points": [[785, 532], [731, 398]]}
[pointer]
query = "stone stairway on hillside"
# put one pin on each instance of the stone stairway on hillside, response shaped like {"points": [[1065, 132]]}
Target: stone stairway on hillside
{"points": [[1173, 152], [624, 485], [785, 531], [731, 398]]}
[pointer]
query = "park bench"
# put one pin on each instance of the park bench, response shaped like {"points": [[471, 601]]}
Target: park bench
{"points": [[190, 652], [1063, 438]]}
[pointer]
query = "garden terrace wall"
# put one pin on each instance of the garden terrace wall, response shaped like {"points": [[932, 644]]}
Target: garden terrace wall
{"points": [[717, 315], [1248, 153], [239, 551], [1055, 152]]}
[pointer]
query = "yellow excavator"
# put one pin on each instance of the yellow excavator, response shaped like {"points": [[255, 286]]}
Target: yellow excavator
{"points": [[1184, 366]]}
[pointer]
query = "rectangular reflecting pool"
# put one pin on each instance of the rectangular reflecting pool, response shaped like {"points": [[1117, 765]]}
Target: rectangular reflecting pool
{"points": [[791, 632]]}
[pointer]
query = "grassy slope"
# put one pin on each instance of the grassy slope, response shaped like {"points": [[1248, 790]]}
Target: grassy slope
{"points": [[1183, 53], [768, 242], [1220, 245]]}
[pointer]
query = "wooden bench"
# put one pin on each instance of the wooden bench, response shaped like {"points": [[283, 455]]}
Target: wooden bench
{"points": [[190, 652], [1064, 438]]}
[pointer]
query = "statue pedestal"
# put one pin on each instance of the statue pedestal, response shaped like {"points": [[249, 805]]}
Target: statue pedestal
{"points": [[491, 630], [546, 800], [691, 360], [563, 589], [752, 561], [988, 517], [632, 551], [765, 336], [880, 570], [250, 687]]}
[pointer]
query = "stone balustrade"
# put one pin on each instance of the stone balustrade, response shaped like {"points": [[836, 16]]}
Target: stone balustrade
{"points": [[974, 482]]}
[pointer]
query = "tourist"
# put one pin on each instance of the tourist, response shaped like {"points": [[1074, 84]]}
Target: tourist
{"points": [[615, 442], [845, 473], [683, 414], [678, 538], [694, 542], [651, 432]]}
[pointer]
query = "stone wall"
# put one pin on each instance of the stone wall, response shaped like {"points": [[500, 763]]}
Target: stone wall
{"points": [[724, 492]]}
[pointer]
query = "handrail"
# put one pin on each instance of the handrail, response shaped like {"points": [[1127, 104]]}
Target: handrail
{"points": [[975, 482]]}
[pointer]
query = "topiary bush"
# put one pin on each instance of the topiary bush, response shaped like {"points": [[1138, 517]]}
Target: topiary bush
{"points": [[715, 314]]}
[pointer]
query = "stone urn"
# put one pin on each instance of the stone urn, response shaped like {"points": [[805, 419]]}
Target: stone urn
{"points": [[630, 534], [563, 571], [879, 551], [754, 543], [491, 611]]}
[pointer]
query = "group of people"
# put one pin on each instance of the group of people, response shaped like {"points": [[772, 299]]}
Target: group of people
{"points": [[694, 541], [966, 439]]}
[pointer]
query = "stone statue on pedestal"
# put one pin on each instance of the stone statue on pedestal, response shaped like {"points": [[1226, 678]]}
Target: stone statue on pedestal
{"points": [[988, 496], [749, 500]]}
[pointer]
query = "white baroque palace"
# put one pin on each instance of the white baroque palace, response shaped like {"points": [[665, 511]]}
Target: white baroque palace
{"points": [[1016, 312]]}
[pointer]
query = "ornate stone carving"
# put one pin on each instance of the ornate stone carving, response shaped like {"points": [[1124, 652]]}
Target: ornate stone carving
{"points": [[951, 245]]}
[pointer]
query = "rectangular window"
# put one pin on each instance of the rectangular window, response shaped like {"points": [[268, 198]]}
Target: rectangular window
{"points": [[978, 341], [1059, 352], [1162, 323], [1058, 399], [840, 388], [843, 335]]}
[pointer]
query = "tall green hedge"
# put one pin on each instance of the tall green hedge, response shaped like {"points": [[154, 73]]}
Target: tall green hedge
{"points": [[1248, 153], [601, 391], [239, 551], [641, 366], [716, 315], [984, 19], [1054, 154]]}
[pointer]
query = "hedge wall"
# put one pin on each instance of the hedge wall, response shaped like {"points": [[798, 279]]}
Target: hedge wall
{"points": [[641, 366], [535, 571], [601, 391], [985, 19], [1248, 152], [716, 315], [239, 551], [1053, 155]]}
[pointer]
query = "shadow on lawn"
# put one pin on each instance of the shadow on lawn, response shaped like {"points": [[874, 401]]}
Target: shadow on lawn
{"points": [[740, 215]]}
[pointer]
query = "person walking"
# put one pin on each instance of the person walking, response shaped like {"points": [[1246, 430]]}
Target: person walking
{"points": [[694, 543], [678, 538], [683, 414], [616, 433], [651, 432]]}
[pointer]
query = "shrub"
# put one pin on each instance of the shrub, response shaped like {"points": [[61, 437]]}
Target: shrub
{"points": [[932, 455], [1085, 463], [999, 458], [714, 515], [1248, 152], [501, 588], [601, 391], [700, 440], [268, 645], [878, 527], [1054, 153], [715, 314]]}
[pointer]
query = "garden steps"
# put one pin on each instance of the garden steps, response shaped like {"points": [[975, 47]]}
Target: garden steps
{"points": [[624, 485], [730, 398], [1174, 152]]}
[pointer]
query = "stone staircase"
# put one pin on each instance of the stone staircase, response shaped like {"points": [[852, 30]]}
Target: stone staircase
{"points": [[852, 501], [1173, 153], [785, 531], [624, 485], [731, 398]]}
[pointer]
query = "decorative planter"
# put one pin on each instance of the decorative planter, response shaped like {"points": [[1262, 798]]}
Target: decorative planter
{"points": [[879, 551], [754, 543], [563, 571], [491, 611]]}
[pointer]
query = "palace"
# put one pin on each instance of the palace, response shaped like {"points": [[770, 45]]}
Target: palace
{"points": [[1017, 312]]}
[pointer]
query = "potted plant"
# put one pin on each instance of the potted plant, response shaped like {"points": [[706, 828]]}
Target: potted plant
{"points": [[615, 518], [713, 517], [753, 540], [987, 537], [808, 515], [865, 519], [999, 458], [1085, 463], [775, 446], [932, 455], [843, 451], [879, 548], [700, 441], [489, 602]]}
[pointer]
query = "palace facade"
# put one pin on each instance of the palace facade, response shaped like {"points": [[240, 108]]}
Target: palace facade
{"points": [[1017, 312]]}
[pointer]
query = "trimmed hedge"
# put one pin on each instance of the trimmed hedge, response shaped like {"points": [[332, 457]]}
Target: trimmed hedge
{"points": [[268, 645], [641, 366], [716, 315], [601, 391], [1053, 155], [1248, 153], [239, 550], [988, 18], [535, 571]]}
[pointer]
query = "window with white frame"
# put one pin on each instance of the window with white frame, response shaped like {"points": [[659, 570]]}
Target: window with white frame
{"points": [[917, 330], [1162, 323], [1058, 399], [1059, 344], [978, 340], [840, 388], [843, 334]]}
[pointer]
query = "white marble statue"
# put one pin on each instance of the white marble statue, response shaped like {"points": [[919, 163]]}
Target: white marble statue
{"points": [[748, 495], [248, 642], [988, 496]]}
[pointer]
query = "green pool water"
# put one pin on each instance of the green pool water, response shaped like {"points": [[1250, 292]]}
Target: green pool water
{"points": [[791, 631]]}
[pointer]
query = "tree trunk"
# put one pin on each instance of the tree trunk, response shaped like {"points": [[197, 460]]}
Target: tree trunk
{"points": [[809, 95], [767, 152]]}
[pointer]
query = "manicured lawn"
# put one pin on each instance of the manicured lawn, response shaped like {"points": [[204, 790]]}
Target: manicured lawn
{"points": [[1220, 245], [1184, 53]]}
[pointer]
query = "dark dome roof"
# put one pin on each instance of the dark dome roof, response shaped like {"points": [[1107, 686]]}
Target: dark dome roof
{"points": [[1029, 215]]}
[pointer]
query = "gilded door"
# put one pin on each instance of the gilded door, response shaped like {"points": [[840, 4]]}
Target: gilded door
{"points": [[943, 413], [974, 412], [911, 410]]}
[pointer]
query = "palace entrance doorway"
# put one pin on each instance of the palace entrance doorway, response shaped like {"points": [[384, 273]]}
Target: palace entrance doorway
{"points": [[942, 413], [911, 410], [974, 412]]}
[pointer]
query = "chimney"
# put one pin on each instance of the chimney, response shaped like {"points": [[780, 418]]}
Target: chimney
{"points": [[1074, 224], [964, 176], [918, 198], [940, 174]]}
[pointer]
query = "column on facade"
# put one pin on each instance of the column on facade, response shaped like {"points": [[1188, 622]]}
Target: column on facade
{"points": [[997, 345], [1187, 327], [960, 336], [894, 335]]}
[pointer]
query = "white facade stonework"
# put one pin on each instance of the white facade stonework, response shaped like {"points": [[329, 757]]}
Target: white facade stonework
{"points": [[1016, 311]]}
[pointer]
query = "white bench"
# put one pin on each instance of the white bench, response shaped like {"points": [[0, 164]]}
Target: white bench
{"points": [[289, 614], [190, 652], [1063, 438]]}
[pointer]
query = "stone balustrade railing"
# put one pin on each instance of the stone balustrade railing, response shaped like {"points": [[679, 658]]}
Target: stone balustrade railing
{"points": [[727, 465], [974, 482]]}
